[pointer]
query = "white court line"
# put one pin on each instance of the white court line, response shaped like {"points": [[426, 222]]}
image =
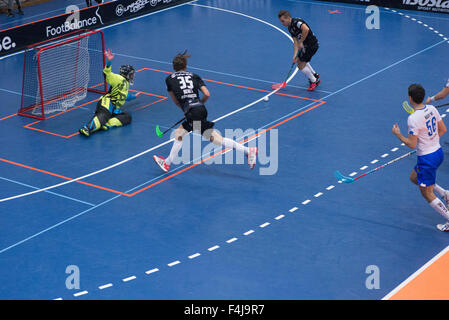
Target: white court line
{"points": [[235, 111], [168, 141], [213, 248], [105, 286], [293, 209], [414, 275], [330, 187], [129, 279], [174, 263], [264, 225], [231, 240], [277, 218], [247, 233], [80, 293], [306, 202], [152, 271], [49, 192], [193, 256]]}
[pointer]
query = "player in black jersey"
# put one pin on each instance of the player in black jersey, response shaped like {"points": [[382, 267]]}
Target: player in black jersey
{"points": [[184, 89], [305, 45]]}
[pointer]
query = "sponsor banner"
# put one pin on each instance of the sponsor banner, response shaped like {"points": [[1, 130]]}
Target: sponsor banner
{"points": [[17, 38], [440, 6]]}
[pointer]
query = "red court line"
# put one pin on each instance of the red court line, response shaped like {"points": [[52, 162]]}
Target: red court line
{"points": [[7, 117], [63, 177], [170, 176], [29, 126], [224, 150], [239, 86], [320, 102], [150, 104]]}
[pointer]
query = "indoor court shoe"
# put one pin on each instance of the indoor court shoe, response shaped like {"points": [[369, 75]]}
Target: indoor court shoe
{"points": [[85, 131], [443, 227], [313, 85], [161, 163], [252, 157]]}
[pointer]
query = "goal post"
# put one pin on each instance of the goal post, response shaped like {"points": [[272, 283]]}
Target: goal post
{"points": [[59, 72]]}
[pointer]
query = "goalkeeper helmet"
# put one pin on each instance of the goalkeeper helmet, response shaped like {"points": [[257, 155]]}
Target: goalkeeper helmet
{"points": [[128, 72]]}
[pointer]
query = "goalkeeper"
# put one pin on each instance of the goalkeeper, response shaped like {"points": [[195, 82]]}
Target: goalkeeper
{"points": [[108, 113]]}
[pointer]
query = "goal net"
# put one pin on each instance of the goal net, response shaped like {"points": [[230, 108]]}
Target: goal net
{"points": [[59, 73]]}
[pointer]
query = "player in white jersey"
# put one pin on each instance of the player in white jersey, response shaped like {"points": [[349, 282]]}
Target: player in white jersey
{"points": [[425, 127], [440, 95]]}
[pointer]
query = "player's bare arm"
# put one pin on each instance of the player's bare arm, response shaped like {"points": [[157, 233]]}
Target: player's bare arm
{"points": [[440, 95], [295, 49], [409, 141], [172, 95], [305, 31], [441, 128], [206, 94]]}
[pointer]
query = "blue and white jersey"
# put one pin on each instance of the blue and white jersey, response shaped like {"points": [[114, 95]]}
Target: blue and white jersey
{"points": [[423, 123]]}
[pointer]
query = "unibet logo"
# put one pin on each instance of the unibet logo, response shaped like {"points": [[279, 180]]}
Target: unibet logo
{"points": [[6, 44]]}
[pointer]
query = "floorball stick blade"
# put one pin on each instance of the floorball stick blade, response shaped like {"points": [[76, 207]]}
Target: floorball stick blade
{"points": [[159, 132], [342, 178], [279, 85]]}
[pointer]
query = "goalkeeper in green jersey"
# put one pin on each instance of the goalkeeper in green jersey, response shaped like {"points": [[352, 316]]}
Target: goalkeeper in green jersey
{"points": [[108, 113]]}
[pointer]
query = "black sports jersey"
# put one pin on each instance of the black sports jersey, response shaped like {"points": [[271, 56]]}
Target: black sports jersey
{"points": [[185, 86], [295, 30]]}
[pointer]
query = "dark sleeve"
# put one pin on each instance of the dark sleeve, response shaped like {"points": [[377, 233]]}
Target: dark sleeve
{"points": [[167, 83], [197, 81]]}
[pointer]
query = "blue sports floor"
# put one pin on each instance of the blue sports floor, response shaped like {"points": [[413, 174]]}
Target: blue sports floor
{"points": [[224, 231]]}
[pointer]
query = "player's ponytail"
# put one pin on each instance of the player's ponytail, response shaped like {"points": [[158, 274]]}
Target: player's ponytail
{"points": [[180, 61]]}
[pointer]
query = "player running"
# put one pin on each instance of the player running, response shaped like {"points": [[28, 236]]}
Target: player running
{"points": [[305, 45], [183, 87], [440, 95], [108, 113], [425, 128]]}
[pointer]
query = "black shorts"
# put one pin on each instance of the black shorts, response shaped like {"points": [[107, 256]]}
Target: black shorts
{"points": [[197, 114], [306, 53]]}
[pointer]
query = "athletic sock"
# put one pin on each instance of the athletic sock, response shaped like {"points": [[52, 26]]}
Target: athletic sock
{"points": [[229, 143], [308, 73], [174, 151], [310, 67], [439, 190], [439, 206]]}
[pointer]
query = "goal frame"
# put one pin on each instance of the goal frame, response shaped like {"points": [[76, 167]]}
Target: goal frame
{"points": [[48, 45]]}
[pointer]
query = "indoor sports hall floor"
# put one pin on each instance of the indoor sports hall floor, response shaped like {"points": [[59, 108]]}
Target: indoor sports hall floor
{"points": [[211, 231]]}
